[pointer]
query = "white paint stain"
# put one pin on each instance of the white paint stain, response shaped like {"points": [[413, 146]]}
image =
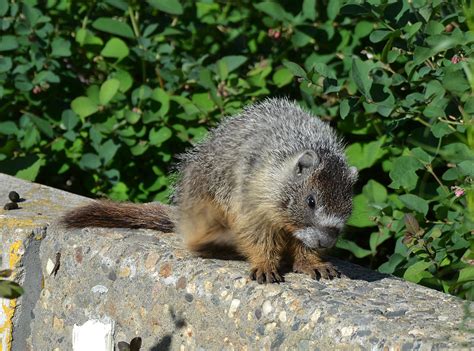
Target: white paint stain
{"points": [[234, 305], [100, 289], [49, 266], [267, 307], [93, 335]]}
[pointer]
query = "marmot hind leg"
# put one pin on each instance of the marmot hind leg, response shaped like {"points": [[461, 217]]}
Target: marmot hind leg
{"points": [[204, 228]]}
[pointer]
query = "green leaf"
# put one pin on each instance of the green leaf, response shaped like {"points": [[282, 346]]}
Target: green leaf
{"points": [[89, 161], [378, 238], [60, 47], [8, 42], [422, 156], [375, 192], [125, 79], [115, 48], [378, 35], [391, 265], [163, 98], [203, 101], [295, 68], [108, 90], [45, 76], [31, 172], [415, 203], [467, 168], [451, 174], [86, 37], [411, 29], [417, 271], [119, 192], [119, 4], [108, 150], [456, 82], [139, 148], [5, 64], [173, 7], [8, 128], [351, 246], [113, 26], [132, 117], [361, 212], [360, 73], [3, 7], [69, 119], [222, 70], [10, 290], [233, 62], [403, 173], [364, 156], [84, 106], [43, 125], [466, 275], [344, 108], [282, 77], [300, 39], [158, 137], [274, 10], [434, 28], [309, 9], [334, 6], [441, 129]]}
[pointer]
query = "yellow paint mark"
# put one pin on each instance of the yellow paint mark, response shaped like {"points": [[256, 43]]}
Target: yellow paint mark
{"points": [[9, 306], [13, 223], [7, 328], [15, 253]]}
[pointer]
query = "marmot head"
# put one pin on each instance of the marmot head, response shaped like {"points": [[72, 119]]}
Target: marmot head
{"points": [[320, 200]]}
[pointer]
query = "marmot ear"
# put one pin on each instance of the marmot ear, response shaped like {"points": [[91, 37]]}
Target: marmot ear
{"points": [[353, 174], [307, 159]]}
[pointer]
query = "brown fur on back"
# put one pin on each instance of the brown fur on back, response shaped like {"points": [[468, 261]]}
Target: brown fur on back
{"points": [[110, 214]]}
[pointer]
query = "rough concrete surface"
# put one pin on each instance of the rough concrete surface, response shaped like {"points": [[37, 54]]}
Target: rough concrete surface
{"points": [[149, 286]]}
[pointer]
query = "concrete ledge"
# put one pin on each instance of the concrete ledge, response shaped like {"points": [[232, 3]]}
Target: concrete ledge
{"points": [[142, 283]]}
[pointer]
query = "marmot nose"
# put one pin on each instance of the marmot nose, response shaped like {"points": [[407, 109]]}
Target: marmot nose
{"points": [[332, 231]]}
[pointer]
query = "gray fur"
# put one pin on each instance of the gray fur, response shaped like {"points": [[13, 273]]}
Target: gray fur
{"points": [[261, 158]]}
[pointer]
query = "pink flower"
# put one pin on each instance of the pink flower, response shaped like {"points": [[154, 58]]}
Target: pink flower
{"points": [[458, 191], [274, 33], [455, 59]]}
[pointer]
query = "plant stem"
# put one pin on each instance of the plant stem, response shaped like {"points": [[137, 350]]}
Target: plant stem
{"points": [[136, 31]]}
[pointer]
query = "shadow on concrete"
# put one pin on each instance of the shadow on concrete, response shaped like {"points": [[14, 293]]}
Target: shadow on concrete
{"points": [[355, 272], [347, 269], [164, 344]]}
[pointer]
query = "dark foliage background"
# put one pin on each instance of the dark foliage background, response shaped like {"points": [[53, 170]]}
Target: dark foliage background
{"points": [[97, 97]]}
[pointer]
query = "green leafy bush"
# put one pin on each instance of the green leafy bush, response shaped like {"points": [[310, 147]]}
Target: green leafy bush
{"points": [[98, 97]]}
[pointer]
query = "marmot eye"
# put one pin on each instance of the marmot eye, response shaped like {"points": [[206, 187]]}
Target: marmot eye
{"points": [[310, 201]]}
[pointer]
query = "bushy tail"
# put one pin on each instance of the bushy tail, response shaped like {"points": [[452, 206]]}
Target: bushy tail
{"points": [[108, 214]]}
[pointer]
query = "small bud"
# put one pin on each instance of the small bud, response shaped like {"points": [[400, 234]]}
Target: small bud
{"points": [[455, 59]]}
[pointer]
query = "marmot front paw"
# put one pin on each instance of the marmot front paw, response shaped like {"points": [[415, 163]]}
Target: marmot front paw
{"points": [[265, 275], [317, 270]]}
